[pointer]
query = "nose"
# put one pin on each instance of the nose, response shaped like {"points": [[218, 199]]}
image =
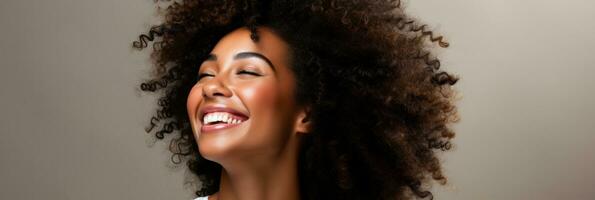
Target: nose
{"points": [[215, 87]]}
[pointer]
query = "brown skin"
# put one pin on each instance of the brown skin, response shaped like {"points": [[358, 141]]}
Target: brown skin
{"points": [[259, 157]]}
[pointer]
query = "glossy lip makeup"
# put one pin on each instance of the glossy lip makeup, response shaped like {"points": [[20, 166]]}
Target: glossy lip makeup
{"points": [[215, 118]]}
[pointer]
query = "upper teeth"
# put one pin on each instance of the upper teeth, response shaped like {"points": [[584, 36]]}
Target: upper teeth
{"points": [[220, 116]]}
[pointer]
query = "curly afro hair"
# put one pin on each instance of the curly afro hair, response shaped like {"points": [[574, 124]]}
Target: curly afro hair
{"points": [[380, 105]]}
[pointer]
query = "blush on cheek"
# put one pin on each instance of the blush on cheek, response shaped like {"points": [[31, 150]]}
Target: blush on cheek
{"points": [[260, 97]]}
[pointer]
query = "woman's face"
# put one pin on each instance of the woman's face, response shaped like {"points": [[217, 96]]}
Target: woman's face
{"points": [[243, 103]]}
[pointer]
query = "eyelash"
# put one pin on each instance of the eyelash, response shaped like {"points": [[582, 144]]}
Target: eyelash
{"points": [[249, 72], [202, 75]]}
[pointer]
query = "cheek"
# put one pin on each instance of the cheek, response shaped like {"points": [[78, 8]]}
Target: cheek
{"points": [[260, 98], [269, 104]]}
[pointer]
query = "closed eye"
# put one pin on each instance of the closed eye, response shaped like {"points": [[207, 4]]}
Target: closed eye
{"points": [[248, 72], [202, 75]]}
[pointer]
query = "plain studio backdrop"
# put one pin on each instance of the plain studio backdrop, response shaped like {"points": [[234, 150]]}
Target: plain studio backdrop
{"points": [[72, 119]]}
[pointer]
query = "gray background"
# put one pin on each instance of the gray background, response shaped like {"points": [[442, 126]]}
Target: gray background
{"points": [[72, 121]]}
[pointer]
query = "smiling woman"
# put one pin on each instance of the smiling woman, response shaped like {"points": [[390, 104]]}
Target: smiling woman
{"points": [[242, 106], [301, 99]]}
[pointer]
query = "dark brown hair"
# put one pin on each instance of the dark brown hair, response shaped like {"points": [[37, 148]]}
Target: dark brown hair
{"points": [[380, 105]]}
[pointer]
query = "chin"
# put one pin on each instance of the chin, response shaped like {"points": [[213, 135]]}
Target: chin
{"points": [[214, 151], [224, 144]]}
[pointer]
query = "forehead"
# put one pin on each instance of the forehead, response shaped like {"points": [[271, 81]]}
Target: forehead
{"points": [[269, 45]]}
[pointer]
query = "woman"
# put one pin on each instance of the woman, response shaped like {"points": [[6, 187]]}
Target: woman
{"points": [[301, 99]]}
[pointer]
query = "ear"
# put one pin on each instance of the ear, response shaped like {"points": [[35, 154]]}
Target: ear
{"points": [[303, 123]]}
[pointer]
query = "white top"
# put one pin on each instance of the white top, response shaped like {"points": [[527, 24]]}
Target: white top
{"points": [[202, 198]]}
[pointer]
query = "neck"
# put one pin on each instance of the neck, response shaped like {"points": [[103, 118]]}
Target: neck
{"points": [[269, 177]]}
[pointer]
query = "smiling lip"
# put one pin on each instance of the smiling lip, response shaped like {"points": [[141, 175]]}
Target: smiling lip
{"points": [[220, 126], [216, 127]]}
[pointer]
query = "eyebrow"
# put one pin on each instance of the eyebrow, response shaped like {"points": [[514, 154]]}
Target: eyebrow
{"points": [[244, 55]]}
